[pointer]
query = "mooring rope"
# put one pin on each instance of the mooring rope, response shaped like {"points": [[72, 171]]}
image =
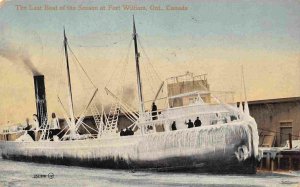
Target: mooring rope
{"points": [[277, 132]]}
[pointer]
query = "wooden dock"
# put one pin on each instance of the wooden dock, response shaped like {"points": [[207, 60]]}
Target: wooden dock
{"points": [[279, 158]]}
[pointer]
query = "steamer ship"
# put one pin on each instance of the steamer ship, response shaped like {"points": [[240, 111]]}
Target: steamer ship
{"points": [[226, 141]]}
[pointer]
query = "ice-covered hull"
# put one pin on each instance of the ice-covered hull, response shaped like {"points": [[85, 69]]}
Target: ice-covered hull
{"points": [[180, 164], [226, 148]]}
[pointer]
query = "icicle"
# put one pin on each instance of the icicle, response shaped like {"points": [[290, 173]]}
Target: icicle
{"points": [[246, 110], [241, 108]]}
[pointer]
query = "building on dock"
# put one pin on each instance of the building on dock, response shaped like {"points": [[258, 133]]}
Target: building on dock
{"points": [[276, 119], [278, 122]]}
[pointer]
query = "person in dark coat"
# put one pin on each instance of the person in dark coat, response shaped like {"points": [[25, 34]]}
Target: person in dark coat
{"points": [[190, 124], [126, 132], [173, 126], [154, 111], [122, 133], [197, 122], [129, 132]]}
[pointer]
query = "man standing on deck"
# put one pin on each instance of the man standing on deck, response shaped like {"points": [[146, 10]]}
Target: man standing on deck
{"points": [[173, 126], [190, 124], [154, 111], [197, 122], [54, 122]]}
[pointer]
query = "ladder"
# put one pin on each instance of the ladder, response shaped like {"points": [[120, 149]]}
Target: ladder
{"points": [[112, 118], [97, 118]]}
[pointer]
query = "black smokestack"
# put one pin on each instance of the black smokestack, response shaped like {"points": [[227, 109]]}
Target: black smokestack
{"points": [[40, 96]]}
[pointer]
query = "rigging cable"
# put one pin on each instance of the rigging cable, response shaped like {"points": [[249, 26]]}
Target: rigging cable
{"points": [[123, 75], [148, 59], [82, 67], [157, 52], [115, 70], [58, 72], [148, 70]]}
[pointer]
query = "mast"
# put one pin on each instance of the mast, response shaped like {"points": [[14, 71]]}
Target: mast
{"points": [[243, 79], [246, 107], [138, 73], [71, 106]]}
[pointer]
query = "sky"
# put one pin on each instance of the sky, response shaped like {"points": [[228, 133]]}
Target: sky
{"points": [[215, 38]]}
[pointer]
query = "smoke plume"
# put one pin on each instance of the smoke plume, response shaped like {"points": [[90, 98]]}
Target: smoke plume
{"points": [[18, 56], [128, 94]]}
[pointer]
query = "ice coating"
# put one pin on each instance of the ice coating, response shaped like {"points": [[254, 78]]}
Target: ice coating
{"points": [[25, 137], [186, 142]]}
